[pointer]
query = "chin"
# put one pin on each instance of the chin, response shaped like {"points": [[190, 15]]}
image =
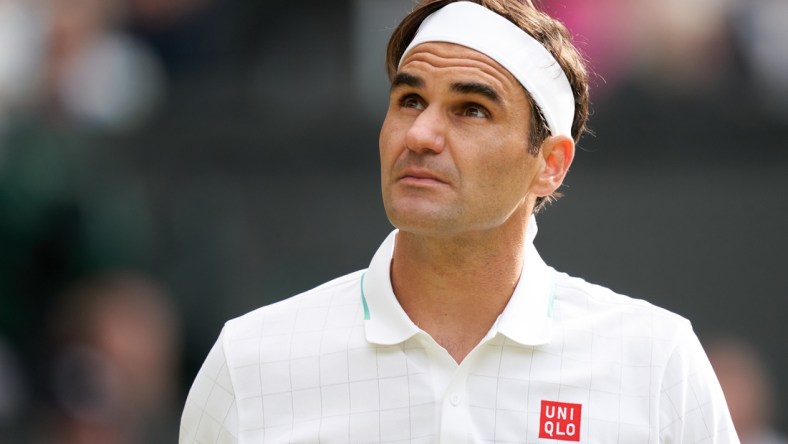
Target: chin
{"points": [[424, 226], [420, 216]]}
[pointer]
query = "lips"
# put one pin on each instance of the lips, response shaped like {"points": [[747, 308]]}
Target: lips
{"points": [[420, 176]]}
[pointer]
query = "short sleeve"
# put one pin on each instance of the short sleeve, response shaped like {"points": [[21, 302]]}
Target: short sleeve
{"points": [[210, 414], [692, 405]]}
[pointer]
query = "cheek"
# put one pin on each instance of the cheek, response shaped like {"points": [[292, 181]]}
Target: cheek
{"points": [[383, 135], [388, 139], [390, 150], [505, 169]]}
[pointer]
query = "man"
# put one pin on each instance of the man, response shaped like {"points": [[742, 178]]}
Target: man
{"points": [[458, 332]]}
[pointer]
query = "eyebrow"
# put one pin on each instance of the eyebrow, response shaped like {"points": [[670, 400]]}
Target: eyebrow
{"points": [[476, 88], [405, 79]]}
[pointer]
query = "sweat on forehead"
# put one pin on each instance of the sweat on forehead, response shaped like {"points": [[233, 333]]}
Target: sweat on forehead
{"points": [[476, 27]]}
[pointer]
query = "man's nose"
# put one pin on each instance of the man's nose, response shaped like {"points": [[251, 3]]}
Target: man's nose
{"points": [[427, 133]]}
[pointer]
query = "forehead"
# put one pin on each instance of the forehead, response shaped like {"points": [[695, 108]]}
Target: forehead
{"points": [[450, 59]]}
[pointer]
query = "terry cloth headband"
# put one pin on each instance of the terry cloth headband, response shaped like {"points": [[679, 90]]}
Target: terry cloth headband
{"points": [[476, 27]]}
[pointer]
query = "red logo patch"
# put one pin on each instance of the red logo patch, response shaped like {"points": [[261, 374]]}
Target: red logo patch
{"points": [[560, 421]]}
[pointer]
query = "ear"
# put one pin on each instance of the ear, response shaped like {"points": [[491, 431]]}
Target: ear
{"points": [[557, 153]]}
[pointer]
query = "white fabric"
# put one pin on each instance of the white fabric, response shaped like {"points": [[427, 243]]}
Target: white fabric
{"points": [[476, 27], [312, 369]]}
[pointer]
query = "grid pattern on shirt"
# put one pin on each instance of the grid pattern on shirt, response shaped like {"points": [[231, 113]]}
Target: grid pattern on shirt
{"points": [[638, 371], [209, 415], [302, 371], [591, 360]]}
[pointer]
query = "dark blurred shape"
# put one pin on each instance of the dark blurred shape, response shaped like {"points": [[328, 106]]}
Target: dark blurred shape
{"points": [[14, 395], [156, 13], [749, 389], [113, 363], [190, 37]]}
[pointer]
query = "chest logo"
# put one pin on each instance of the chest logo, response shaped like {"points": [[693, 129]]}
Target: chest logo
{"points": [[560, 421]]}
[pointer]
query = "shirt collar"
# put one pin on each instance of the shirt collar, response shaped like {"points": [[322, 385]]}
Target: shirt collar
{"points": [[527, 318], [385, 322]]}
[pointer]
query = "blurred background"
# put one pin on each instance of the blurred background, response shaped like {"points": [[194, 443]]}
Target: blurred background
{"points": [[168, 165]]}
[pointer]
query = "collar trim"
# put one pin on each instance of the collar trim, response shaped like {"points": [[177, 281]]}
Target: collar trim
{"points": [[527, 318]]}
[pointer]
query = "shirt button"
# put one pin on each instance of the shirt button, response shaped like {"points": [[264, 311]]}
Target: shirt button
{"points": [[454, 399]]}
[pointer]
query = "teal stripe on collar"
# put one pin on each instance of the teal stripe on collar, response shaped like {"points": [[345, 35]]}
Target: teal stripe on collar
{"points": [[551, 302], [364, 299]]}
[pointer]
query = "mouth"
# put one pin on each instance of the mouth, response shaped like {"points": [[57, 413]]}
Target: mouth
{"points": [[420, 176]]}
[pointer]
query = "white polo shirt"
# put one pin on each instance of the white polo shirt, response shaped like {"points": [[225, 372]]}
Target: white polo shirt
{"points": [[566, 361]]}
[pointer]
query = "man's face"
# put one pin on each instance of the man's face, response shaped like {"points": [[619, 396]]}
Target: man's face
{"points": [[454, 144]]}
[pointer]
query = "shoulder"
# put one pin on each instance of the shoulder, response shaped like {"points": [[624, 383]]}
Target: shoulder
{"points": [[604, 313], [305, 325], [597, 297], [309, 309], [639, 338]]}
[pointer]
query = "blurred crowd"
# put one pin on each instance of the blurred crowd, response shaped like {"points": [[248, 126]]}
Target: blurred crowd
{"points": [[685, 48], [90, 337], [97, 63], [109, 365], [92, 328]]}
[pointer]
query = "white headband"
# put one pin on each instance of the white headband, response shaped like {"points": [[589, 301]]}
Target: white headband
{"points": [[476, 27]]}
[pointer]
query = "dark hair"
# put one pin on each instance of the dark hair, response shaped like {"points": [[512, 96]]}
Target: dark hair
{"points": [[548, 31]]}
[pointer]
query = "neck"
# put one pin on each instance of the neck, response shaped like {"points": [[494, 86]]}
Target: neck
{"points": [[455, 288]]}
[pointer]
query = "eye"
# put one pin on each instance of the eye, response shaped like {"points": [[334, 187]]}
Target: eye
{"points": [[475, 110], [411, 101]]}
